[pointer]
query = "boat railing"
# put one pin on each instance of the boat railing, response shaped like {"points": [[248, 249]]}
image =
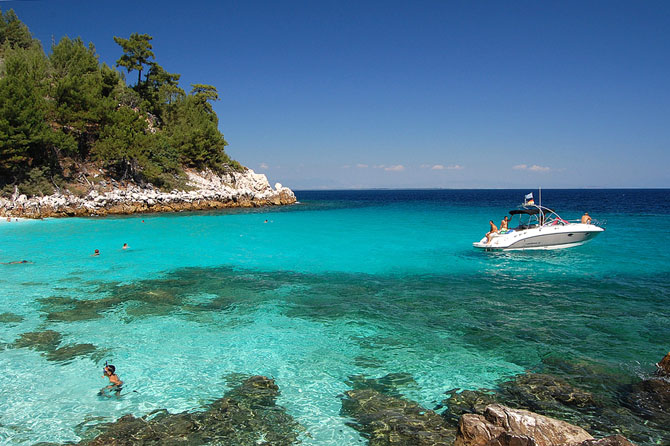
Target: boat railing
{"points": [[600, 223]]}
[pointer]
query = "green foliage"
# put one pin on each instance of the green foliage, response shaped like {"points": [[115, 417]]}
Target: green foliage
{"points": [[68, 106], [136, 53], [122, 142], [160, 90], [81, 93], [38, 182], [194, 131], [13, 33], [24, 135], [205, 92]]}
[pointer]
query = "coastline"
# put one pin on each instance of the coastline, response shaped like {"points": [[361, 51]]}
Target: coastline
{"points": [[208, 190]]}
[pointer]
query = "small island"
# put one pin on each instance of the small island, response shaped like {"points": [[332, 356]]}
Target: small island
{"points": [[76, 140]]}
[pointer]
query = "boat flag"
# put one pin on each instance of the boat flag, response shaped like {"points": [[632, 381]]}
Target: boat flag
{"points": [[529, 199]]}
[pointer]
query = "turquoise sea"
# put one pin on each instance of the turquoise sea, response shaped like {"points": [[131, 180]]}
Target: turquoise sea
{"points": [[344, 283]]}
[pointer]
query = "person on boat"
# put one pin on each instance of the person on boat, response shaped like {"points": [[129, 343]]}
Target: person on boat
{"points": [[493, 230], [504, 223], [586, 219], [115, 384]]}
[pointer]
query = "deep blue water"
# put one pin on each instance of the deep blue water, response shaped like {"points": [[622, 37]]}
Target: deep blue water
{"points": [[343, 283]]}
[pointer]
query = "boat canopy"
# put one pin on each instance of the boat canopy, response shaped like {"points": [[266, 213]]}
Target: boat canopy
{"points": [[533, 211], [524, 211]]}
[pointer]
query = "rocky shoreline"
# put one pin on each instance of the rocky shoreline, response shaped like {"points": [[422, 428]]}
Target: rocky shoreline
{"points": [[205, 190]]}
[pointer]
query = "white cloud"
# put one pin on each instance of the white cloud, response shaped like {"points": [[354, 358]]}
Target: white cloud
{"points": [[362, 166], [533, 168], [391, 168], [442, 167], [264, 166]]}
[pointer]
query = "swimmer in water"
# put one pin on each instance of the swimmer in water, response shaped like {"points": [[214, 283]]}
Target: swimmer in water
{"points": [[115, 384]]}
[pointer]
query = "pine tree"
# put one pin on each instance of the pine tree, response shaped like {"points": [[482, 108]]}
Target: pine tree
{"points": [[136, 53], [25, 136]]}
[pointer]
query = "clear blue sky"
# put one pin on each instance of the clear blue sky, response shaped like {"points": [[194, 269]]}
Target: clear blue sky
{"points": [[462, 94]]}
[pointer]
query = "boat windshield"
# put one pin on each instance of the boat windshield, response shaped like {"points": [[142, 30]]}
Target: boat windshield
{"points": [[533, 216]]}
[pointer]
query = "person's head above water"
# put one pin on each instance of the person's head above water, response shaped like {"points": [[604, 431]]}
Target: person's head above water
{"points": [[110, 369]]}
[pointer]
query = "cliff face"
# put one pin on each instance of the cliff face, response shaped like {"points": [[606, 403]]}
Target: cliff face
{"points": [[207, 190]]}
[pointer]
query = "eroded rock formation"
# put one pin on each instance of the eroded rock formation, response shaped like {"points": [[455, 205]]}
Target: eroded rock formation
{"points": [[206, 191], [501, 425]]}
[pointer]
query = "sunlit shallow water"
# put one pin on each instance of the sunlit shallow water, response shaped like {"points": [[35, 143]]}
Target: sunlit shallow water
{"points": [[343, 284]]}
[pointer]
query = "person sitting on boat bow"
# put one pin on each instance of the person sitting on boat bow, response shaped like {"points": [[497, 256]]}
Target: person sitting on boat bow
{"points": [[493, 230], [586, 219]]}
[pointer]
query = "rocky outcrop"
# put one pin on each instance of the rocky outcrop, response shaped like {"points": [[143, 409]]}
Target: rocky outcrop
{"points": [[246, 416], [543, 393], [664, 366], [207, 190], [650, 398], [612, 440], [501, 425], [388, 420]]}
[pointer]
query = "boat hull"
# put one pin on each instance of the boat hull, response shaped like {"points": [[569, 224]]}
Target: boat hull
{"points": [[541, 238]]}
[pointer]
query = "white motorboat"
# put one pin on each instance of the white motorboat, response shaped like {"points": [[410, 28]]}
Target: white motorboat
{"points": [[539, 228]]}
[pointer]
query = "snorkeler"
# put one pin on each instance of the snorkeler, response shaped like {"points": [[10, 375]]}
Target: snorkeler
{"points": [[115, 383], [15, 262]]}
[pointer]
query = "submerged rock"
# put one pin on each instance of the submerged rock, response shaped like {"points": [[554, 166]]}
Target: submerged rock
{"points": [[544, 392], [8, 318], [388, 384], [246, 416], [459, 403], [48, 342], [388, 420], [651, 400], [43, 341], [503, 426], [70, 352], [554, 397], [612, 440], [65, 309]]}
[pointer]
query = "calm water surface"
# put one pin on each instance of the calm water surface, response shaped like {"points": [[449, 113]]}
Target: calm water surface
{"points": [[344, 283]]}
